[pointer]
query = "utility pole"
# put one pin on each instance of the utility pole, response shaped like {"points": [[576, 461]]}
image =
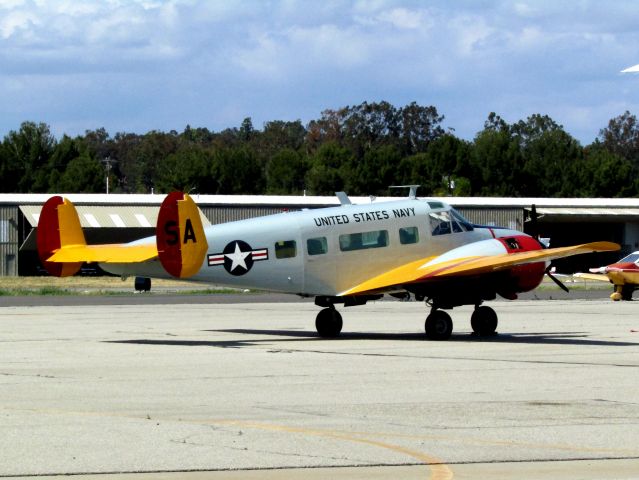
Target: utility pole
{"points": [[107, 165]]}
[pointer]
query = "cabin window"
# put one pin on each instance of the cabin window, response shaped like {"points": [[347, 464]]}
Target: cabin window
{"points": [[439, 223], [285, 249], [316, 246], [363, 240], [408, 235]]}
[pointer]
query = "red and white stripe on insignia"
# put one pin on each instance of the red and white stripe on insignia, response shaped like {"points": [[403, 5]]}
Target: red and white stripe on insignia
{"points": [[216, 259], [261, 254]]}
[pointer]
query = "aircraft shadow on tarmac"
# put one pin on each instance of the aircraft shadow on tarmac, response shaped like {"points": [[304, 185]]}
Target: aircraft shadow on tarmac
{"points": [[547, 338]]}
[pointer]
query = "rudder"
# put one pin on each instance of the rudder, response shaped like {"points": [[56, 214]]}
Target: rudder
{"points": [[58, 226], [180, 237]]}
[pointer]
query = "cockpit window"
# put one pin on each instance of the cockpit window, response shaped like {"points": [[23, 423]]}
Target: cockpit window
{"points": [[439, 223], [633, 257], [465, 224]]}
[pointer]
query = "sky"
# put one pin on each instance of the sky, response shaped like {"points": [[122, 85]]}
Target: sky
{"points": [[141, 65]]}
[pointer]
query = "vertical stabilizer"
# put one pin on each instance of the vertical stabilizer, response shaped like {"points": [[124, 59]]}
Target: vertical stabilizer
{"points": [[180, 238], [58, 226]]}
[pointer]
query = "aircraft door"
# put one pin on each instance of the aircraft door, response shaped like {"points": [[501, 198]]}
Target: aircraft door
{"points": [[319, 264]]}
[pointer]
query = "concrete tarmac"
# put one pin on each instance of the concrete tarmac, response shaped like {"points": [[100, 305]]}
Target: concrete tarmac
{"points": [[229, 391]]}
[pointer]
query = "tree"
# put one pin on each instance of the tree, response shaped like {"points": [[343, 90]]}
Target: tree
{"points": [[606, 174], [285, 173], [26, 152], [325, 175], [82, 175], [496, 164], [236, 171], [186, 170], [621, 137]]}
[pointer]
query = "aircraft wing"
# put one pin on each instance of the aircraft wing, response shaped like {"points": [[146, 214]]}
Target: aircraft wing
{"points": [[600, 277], [432, 269]]}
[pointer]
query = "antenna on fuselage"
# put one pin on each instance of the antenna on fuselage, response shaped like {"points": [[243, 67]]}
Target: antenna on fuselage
{"points": [[343, 198], [412, 193]]}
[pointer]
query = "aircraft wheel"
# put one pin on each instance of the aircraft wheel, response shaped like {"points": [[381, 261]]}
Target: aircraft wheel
{"points": [[626, 292], [328, 323], [484, 321], [439, 325]]}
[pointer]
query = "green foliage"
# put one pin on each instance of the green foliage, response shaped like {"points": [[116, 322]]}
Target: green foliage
{"points": [[83, 175], [362, 149], [285, 173], [235, 171]]}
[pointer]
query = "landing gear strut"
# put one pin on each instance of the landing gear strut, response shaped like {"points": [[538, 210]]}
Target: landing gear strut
{"points": [[622, 292], [484, 321], [328, 323], [439, 325]]}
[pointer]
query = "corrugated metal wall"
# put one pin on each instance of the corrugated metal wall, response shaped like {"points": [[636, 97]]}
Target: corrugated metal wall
{"points": [[223, 214], [9, 240], [503, 217]]}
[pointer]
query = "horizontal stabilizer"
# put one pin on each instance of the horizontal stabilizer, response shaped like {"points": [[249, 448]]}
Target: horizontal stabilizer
{"points": [[122, 253]]}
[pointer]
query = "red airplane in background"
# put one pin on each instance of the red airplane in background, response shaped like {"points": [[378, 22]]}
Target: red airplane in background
{"points": [[624, 275]]}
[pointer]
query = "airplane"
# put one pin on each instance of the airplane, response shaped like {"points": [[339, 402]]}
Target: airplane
{"points": [[624, 275], [343, 255]]}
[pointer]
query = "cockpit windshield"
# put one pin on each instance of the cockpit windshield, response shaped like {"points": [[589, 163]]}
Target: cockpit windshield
{"points": [[633, 257], [461, 220]]}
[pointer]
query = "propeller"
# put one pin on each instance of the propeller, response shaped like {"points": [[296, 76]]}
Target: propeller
{"points": [[534, 232], [559, 283], [534, 226]]}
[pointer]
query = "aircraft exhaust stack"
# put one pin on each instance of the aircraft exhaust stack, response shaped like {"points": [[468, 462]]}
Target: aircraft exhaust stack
{"points": [[180, 238], [59, 226]]}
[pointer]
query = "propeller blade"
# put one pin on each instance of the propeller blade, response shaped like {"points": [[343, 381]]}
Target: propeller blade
{"points": [[557, 281]]}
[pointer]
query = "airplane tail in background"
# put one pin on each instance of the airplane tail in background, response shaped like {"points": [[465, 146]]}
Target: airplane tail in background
{"points": [[181, 242], [58, 227]]}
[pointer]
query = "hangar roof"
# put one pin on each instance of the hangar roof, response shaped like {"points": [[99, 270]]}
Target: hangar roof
{"points": [[211, 200]]}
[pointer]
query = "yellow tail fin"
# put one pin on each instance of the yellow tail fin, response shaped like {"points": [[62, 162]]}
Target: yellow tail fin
{"points": [[58, 226], [180, 237]]}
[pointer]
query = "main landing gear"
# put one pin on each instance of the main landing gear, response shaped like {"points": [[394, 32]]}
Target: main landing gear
{"points": [[328, 323], [439, 325]]}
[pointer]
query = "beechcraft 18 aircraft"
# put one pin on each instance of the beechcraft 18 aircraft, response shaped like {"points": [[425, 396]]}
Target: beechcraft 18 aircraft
{"points": [[344, 255]]}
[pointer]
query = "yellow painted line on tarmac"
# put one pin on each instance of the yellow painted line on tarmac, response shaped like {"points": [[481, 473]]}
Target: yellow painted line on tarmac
{"points": [[438, 469]]}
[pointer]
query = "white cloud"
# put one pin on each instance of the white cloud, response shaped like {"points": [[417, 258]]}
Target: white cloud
{"points": [[212, 60]]}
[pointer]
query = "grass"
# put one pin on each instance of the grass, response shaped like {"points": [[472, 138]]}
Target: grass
{"points": [[52, 286]]}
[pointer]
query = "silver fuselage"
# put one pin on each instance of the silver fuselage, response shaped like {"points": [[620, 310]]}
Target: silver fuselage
{"points": [[313, 252]]}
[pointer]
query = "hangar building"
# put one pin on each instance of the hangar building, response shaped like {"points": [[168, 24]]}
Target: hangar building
{"points": [[119, 218]]}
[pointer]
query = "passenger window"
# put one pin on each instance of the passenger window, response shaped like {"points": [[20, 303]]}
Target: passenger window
{"points": [[408, 235], [285, 249], [361, 241], [316, 246], [439, 223]]}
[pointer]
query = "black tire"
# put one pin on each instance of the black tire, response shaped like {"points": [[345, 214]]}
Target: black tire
{"points": [[439, 325], [484, 321], [626, 292], [328, 323]]}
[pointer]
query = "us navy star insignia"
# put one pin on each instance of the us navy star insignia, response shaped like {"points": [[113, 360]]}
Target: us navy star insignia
{"points": [[237, 257]]}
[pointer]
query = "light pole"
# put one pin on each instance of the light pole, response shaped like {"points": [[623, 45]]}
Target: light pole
{"points": [[107, 165]]}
